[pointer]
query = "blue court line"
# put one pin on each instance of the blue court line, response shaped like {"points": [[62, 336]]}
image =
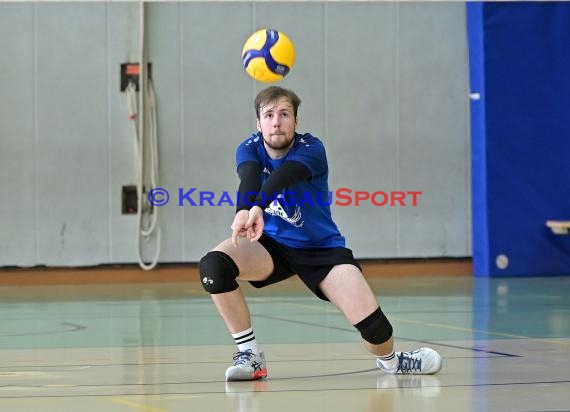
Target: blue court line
{"points": [[352, 330], [164, 394], [15, 368]]}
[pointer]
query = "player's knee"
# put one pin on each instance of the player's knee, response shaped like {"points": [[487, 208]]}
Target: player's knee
{"points": [[218, 272], [375, 328]]}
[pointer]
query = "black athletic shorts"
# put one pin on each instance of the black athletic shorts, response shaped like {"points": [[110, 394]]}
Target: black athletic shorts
{"points": [[311, 265]]}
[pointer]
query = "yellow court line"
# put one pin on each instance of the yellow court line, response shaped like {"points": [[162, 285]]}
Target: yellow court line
{"points": [[488, 332], [175, 397], [137, 405], [459, 328], [300, 305]]}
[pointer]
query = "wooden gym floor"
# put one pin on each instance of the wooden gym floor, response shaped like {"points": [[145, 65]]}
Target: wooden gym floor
{"points": [[118, 339]]}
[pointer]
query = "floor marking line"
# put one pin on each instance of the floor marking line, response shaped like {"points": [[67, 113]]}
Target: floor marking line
{"points": [[451, 327], [460, 328], [164, 395], [137, 405]]}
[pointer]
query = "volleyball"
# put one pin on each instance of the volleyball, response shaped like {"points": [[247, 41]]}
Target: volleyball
{"points": [[268, 55]]}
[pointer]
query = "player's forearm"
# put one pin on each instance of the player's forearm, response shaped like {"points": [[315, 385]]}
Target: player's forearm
{"points": [[289, 173], [249, 186]]}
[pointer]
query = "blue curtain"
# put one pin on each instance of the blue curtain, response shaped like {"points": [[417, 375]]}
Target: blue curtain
{"points": [[520, 66]]}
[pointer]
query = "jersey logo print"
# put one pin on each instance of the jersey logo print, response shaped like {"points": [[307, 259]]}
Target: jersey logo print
{"points": [[276, 209]]}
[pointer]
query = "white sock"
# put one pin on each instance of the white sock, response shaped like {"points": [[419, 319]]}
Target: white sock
{"points": [[390, 361], [246, 340]]}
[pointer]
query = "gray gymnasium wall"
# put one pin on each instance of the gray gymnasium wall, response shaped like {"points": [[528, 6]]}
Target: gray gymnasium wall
{"points": [[383, 84]]}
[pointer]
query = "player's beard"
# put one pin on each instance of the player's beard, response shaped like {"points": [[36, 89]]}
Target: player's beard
{"points": [[284, 144]]}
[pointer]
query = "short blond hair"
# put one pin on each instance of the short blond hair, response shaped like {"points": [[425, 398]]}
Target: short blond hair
{"points": [[273, 93]]}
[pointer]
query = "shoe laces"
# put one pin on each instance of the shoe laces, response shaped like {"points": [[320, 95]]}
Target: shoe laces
{"points": [[407, 363], [241, 358]]}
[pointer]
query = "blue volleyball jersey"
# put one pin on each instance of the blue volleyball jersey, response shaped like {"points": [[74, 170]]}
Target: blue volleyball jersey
{"points": [[300, 217]]}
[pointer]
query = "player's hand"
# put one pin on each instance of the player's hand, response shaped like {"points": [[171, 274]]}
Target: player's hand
{"points": [[238, 226], [255, 223]]}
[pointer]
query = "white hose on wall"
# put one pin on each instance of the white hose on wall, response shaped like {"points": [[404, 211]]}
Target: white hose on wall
{"points": [[143, 113]]}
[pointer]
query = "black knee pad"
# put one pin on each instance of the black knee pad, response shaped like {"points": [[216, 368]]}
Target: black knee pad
{"points": [[375, 328], [218, 272]]}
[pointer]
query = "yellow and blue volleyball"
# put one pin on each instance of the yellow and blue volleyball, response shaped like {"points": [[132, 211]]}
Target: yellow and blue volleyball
{"points": [[268, 55]]}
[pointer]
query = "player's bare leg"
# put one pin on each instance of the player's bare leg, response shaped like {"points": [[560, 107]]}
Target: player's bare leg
{"points": [[254, 263], [250, 261], [346, 287]]}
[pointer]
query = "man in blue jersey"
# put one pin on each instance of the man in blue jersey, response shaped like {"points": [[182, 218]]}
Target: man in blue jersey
{"points": [[283, 226]]}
